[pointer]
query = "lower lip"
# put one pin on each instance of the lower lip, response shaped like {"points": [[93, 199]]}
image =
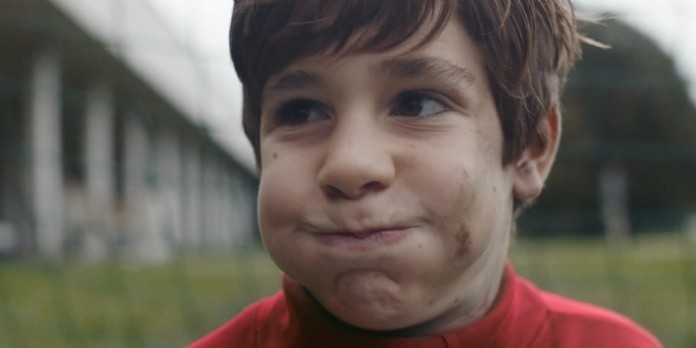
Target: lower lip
{"points": [[361, 243]]}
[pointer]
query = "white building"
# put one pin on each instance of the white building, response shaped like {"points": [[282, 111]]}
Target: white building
{"points": [[104, 147]]}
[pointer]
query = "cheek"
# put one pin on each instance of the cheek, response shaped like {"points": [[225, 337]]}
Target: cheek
{"points": [[279, 197], [462, 243], [460, 222], [279, 210], [465, 207]]}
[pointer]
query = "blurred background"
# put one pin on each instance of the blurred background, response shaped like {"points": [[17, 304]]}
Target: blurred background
{"points": [[127, 188]]}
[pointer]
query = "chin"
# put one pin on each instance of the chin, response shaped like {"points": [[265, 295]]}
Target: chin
{"points": [[377, 305]]}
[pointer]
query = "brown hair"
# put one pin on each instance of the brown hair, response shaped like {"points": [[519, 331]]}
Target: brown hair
{"points": [[527, 45]]}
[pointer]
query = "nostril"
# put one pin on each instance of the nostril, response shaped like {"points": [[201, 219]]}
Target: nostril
{"points": [[333, 192], [373, 186]]}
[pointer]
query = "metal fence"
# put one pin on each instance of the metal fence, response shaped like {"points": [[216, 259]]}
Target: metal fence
{"points": [[126, 222]]}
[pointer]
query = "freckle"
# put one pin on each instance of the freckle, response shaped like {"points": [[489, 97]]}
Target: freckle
{"points": [[275, 155], [430, 302], [456, 300], [420, 246]]}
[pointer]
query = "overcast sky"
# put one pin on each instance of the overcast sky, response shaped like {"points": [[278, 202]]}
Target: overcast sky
{"points": [[671, 23]]}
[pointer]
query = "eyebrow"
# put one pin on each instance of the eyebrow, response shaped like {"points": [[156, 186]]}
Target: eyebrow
{"points": [[296, 79], [404, 68], [427, 67]]}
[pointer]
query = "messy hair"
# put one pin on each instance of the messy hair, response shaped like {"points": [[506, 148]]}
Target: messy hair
{"points": [[528, 46]]}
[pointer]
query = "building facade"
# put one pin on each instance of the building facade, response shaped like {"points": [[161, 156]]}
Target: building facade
{"points": [[97, 161]]}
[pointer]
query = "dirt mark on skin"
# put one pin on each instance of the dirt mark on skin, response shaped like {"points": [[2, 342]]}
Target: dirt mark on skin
{"points": [[463, 243], [465, 203]]}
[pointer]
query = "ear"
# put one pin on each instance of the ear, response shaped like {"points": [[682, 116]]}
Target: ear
{"points": [[534, 165]]}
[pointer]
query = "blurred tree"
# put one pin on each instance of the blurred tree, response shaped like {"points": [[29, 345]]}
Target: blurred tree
{"points": [[623, 105]]}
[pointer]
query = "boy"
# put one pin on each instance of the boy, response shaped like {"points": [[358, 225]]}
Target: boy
{"points": [[396, 141]]}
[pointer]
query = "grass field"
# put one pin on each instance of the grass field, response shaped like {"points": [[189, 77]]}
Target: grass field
{"points": [[76, 305]]}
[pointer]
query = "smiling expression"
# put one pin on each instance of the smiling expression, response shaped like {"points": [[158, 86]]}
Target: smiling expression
{"points": [[383, 190]]}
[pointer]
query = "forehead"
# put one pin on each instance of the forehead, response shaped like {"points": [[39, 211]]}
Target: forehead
{"points": [[449, 55], [294, 29]]}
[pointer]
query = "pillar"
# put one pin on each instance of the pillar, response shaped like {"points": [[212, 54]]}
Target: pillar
{"points": [[99, 147], [168, 172], [226, 212], [191, 199], [46, 167], [209, 214], [135, 153], [99, 169]]}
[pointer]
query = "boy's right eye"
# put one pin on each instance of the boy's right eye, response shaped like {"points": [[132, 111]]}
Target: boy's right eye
{"points": [[299, 112]]}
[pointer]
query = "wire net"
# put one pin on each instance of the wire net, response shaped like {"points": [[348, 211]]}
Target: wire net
{"points": [[124, 222]]}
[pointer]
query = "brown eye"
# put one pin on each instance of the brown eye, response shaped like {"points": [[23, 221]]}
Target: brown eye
{"points": [[299, 112], [418, 104]]}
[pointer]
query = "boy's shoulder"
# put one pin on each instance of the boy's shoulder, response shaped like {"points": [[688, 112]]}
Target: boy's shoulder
{"points": [[573, 323]]}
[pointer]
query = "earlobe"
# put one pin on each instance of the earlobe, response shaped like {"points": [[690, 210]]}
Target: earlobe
{"points": [[534, 165]]}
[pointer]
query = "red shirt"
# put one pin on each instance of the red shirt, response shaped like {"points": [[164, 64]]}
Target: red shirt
{"points": [[524, 316]]}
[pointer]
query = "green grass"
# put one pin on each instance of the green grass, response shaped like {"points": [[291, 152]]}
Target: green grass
{"points": [[652, 281], [108, 306]]}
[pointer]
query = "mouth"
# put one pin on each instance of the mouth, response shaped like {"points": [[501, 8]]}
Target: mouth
{"points": [[363, 240]]}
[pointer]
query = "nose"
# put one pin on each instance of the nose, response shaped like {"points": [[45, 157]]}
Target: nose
{"points": [[358, 162]]}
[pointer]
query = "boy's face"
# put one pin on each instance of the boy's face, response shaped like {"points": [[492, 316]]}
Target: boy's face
{"points": [[382, 187]]}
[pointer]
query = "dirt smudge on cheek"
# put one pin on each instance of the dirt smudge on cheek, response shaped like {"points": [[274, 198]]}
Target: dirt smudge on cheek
{"points": [[463, 239], [463, 210]]}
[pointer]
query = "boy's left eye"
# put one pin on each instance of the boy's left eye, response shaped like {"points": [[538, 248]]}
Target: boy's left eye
{"points": [[417, 104]]}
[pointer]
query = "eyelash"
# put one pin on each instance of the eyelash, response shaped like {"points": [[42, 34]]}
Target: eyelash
{"points": [[301, 111], [297, 112], [420, 96]]}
